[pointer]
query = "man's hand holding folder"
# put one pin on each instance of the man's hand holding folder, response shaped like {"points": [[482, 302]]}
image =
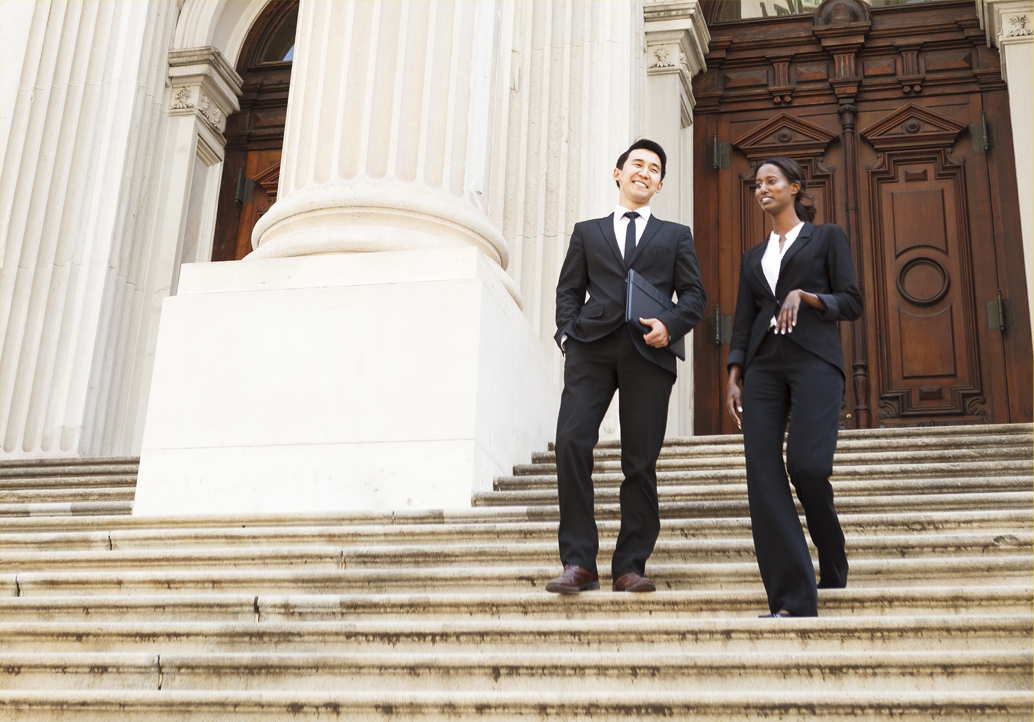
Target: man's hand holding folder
{"points": [[643, 304]]}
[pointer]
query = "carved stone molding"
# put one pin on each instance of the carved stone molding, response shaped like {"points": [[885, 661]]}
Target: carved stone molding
{"points": [[1006, 21], [203, 84], [676, 43]]}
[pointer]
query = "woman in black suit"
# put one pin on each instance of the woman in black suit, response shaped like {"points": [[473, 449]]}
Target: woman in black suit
{"points": [[786, 363]]}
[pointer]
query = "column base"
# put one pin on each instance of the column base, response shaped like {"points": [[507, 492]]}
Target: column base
{"points": [[382, 381]]}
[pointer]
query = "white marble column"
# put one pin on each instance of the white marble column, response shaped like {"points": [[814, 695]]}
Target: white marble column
{"points": [[676, 45], [1009, 25], [78, 178], [386, 145]]}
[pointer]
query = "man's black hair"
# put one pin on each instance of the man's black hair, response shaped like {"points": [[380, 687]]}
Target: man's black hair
{"points": [[645, 145]]}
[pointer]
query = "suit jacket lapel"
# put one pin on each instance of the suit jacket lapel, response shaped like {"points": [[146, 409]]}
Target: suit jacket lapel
{"points": [[801, 241], [607, 226], [755, 268], [652, 226]]}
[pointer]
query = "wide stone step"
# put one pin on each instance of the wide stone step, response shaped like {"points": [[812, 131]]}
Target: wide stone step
{"points": [[68, 482], [659, 636], [694, 447], [539, 672], [880, 601], [607, 489], [1017, 521], [99, 465], [608, 706], [67, 496], [611, 460], [671, 551], [865, 573], [901, 477], [74, 508]]}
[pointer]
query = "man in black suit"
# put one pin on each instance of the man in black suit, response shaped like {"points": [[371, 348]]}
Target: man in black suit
{"points": [[604, 354]]}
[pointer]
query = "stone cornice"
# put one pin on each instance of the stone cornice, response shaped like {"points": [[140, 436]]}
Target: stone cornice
{"points": [[203, 84], [1006, 21], [676, 43]]}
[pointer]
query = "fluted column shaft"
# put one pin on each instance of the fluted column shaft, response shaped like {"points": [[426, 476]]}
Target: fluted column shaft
{"points": [[386, 144], [75, 185]]}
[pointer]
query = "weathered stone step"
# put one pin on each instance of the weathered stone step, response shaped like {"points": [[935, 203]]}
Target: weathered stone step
{"points": [[907, 433], [68, 482], [731, 635], [881, 601], [610, 460], [996, 521], [604, 706], [18, 467], [529, 672], [899, 477], [956, 436], [670, 490], [66, 496], [672, 551], [865, 573], [74, 508], [882, 504]]}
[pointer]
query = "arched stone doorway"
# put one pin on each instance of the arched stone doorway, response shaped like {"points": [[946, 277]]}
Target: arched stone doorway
{"points": [[255, 134]]}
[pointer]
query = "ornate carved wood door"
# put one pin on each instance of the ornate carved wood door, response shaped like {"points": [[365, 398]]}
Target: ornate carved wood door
{"points": [[887, 125], [255, 134]]}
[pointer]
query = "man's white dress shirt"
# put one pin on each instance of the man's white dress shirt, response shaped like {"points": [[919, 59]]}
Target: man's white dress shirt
{"points": [[621, 225]]}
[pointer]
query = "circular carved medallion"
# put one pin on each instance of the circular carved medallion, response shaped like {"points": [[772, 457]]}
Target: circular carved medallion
{"points": [[923, 282]]}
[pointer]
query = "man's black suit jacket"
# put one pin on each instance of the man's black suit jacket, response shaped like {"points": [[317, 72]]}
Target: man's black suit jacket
{"points": [[819, 262], [664, 256]]}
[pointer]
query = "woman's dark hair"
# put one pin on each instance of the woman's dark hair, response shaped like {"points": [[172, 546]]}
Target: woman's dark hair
{"points": [[645, 144], [793, 174]]}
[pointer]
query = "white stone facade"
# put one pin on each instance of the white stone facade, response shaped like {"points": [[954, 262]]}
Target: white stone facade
{"points": [[413, 127], [1009, 25]]}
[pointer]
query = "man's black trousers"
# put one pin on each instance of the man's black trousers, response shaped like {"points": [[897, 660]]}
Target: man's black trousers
{"points": [[592, 372], [785, 380]]}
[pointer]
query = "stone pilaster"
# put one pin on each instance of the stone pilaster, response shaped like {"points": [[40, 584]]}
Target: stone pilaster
{"points": [[386, 144], [676, 45], [1009, 25]]}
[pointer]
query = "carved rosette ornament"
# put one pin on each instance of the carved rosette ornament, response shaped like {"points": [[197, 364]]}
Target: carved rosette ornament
{"points": [[1017, 25]]}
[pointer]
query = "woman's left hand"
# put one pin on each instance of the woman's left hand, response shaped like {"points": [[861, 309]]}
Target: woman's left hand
{"points": [[787, 318]]}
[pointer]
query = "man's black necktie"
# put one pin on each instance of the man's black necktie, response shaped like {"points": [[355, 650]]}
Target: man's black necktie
{"points": [[630, 235]]}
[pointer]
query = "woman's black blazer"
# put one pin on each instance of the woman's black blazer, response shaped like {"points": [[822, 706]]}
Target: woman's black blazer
{"points": [[819, 262]]}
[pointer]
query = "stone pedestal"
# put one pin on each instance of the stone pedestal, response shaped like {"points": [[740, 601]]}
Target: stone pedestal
{"points": [[371, 353], [379, 381]]}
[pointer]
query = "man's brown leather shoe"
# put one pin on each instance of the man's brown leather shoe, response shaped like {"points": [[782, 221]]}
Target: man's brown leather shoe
{"points": [[632, 582], [574, 580]]}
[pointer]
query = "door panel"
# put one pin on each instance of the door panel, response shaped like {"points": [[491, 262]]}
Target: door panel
{"points": [[926, 196], [935, 216]]}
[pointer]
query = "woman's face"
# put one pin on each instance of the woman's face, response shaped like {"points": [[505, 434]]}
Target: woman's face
{"points": [[774, 193]]}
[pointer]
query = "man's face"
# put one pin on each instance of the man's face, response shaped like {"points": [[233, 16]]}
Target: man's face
{"points": [[639, 179]]}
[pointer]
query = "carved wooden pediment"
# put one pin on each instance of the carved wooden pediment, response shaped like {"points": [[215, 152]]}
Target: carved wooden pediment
{"points": [[269, 179], [784, 135], [912, 126]]}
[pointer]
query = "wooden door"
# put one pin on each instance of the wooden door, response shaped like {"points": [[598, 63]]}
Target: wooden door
{"points": [[255, 134], [885, 133]]}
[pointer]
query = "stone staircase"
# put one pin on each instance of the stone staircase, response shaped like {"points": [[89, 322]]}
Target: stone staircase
{"points": [[442, 614]]}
